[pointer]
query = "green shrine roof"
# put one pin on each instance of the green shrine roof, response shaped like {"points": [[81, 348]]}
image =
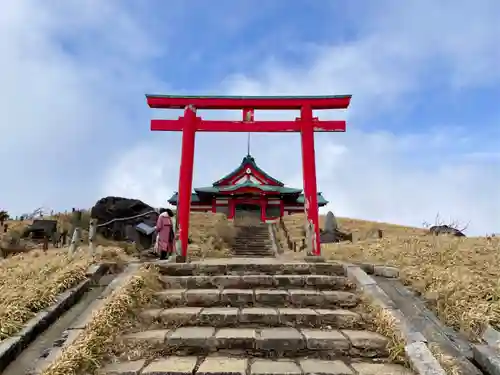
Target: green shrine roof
{"points": [[321, 200], [204, 194], [248, 184], [195, 198], [248, 160]]}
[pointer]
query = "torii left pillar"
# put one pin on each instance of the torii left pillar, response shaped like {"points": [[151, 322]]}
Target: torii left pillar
{"points": [[306, 124], [186, 179]]}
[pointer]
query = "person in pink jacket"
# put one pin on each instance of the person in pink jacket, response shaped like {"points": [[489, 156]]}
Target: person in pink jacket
{"points": [[165, 230]]}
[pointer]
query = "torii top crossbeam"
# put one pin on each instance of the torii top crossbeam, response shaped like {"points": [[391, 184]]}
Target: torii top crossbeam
{"points": [[254, 102], [249, 104]]}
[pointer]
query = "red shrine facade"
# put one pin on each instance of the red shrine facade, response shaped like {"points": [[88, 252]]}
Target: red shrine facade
{"points": [[248, 190]]}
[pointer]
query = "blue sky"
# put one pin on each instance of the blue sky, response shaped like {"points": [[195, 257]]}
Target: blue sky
{"points": [[423, 133]]}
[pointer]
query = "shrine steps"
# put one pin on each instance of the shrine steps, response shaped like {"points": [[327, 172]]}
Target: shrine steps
{"points": [[253, 241], [249, 317], [250, 253]]}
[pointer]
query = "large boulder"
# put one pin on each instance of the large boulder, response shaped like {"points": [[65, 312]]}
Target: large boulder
{"points": [[334, 236], [445, 229], [125, 219]]}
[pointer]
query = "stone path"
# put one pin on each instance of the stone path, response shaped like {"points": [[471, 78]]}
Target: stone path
{"points": [[254, 317], [422, 319]]}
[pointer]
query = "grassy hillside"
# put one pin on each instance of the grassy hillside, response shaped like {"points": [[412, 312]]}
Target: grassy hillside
{"points": [[459, 277]]}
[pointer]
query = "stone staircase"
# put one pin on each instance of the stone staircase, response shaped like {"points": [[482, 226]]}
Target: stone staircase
{"points": [[253, 317], [252, 240]]}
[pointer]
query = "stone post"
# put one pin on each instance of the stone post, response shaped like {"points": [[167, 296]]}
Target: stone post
{"points": [[92, 235], [76, 219], [45, 245]]}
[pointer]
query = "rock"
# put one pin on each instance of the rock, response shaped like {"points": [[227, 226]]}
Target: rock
{"points": [[125, 219], [45, 353], [335, 236], [445, 229], [331, 233], [330, 222]]}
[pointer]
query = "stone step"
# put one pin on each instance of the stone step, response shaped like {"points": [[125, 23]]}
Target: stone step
{"points": [[252, 253], [252, 239], [249, 252], [249, 231], [252, 247], [252, 316], [253, 243], [252, 236], [269, 342], [253, 230], [248, 268], [256, 298], [254, 227], [321, 282], [222, 365], [256, 250]]}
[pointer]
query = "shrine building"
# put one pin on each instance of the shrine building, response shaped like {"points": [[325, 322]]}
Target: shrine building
{"points": [[248, 190]]}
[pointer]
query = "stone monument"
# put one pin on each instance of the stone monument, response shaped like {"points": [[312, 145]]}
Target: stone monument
{"points": [[331, 232], [331, 224]]}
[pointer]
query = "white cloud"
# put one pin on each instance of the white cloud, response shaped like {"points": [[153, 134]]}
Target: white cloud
{"points": [[70, 74], [374, 174], [143, 173], [74, 73]]}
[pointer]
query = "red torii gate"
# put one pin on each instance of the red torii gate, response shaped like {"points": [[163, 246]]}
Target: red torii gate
{"points": [[306, 124]]}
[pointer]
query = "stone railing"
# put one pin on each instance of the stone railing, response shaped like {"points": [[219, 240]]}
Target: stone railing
{"points": [[276, 238], [286, 238]]}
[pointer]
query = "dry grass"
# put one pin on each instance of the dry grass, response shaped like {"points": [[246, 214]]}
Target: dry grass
{"points": [[129, 248], [211, 236], [31, 282], [11, 242], [381, 322], [85, 354], [459, 277], [447, 362], [362, 229]]}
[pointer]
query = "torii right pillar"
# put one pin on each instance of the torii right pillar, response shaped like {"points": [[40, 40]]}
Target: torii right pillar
{"points": [[310, 185]]}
